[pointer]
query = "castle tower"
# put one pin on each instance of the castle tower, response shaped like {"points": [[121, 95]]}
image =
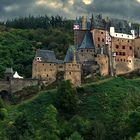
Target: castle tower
{"points": [[9, 74], [72, 67], [84, 23]]}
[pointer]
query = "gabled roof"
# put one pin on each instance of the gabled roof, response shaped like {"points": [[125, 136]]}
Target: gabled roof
{"points": [[46, 56], [87, 42], [70, 55]]}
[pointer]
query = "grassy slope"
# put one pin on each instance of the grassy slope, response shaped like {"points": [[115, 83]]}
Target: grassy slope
{"points": [[107, 101]]}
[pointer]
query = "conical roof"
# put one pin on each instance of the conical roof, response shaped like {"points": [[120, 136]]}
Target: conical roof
{"points": [[87, 41], [70, 55]]}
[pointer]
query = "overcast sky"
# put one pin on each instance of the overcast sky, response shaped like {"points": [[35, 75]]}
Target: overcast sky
{"points": [[129, 9]]}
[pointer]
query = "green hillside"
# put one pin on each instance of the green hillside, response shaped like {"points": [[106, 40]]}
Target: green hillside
{"points": [[105, 110]]}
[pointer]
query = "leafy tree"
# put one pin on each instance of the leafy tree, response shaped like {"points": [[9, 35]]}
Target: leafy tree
{"points": [[67, 99], [137, 137], [3, 111], [75, 136], [19, 129], [134, 123]]}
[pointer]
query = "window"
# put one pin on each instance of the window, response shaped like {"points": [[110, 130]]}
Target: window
{"points": [[70, 73], [117, 46], [38, 58], [50, 64], [138, 48], [81, 50], [130, 61], [124, 60], [47, 75], [87, 50], [123, 53], [102, 33], [103, 40], [98, 45], [98, 38], [130, 48], [116, 53], [128, 41], [120, 53], [60, 67], [123, 47]]}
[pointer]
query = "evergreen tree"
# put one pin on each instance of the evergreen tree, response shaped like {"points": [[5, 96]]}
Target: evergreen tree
{"points": [[67, 99]]}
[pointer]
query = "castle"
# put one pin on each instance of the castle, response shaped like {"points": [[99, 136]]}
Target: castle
{"points": [[101, 47]]}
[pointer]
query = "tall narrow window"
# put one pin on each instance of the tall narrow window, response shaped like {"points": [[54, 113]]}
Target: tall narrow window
{"points": [[123, 47], [117, 46]]}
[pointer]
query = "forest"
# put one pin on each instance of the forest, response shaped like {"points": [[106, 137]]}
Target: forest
{"points": [[19, 39], [104, 110]]}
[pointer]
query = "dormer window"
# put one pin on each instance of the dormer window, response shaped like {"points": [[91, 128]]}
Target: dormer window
{"points": [[38, 58]]}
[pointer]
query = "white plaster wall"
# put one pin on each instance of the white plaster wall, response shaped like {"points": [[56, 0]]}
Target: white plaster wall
{"points": [[121, 35]]}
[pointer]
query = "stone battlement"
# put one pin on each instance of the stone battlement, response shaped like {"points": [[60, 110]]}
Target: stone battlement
{"points": [[14, 85]]}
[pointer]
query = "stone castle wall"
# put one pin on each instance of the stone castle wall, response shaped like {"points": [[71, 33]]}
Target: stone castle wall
{"points": [[73, 73], [44, 71], [103, 62], [16, 84], [124, 59]]}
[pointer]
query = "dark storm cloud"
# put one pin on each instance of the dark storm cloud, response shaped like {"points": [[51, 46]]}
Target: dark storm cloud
{"points": [[69, 8]]}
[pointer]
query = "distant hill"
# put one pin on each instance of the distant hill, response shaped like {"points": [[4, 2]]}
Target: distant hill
{"points": [[20, 38], [107, 110]]}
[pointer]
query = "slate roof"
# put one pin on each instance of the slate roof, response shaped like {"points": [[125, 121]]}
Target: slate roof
{"points": [[46, 56], [121, 26], [87, 42], [70, 54]]}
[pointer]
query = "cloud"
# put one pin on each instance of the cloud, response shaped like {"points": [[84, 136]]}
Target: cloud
{"points": [[129, 9], [87, 2]]}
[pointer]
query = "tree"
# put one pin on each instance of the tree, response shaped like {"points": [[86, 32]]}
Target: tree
{"points": [[134, 123], [75, 136], [137, 137], [50, 129], [3, 111], [67, 98], [19, 129]]}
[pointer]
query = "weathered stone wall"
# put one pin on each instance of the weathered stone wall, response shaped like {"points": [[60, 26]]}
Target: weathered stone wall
{"points": [[86, 55], [137, 48], [137, 63], [60, 67], [44, 71], [124, 49], [102, 60], [99, 37], [17, 84], [4, 85], [73, 73]]}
